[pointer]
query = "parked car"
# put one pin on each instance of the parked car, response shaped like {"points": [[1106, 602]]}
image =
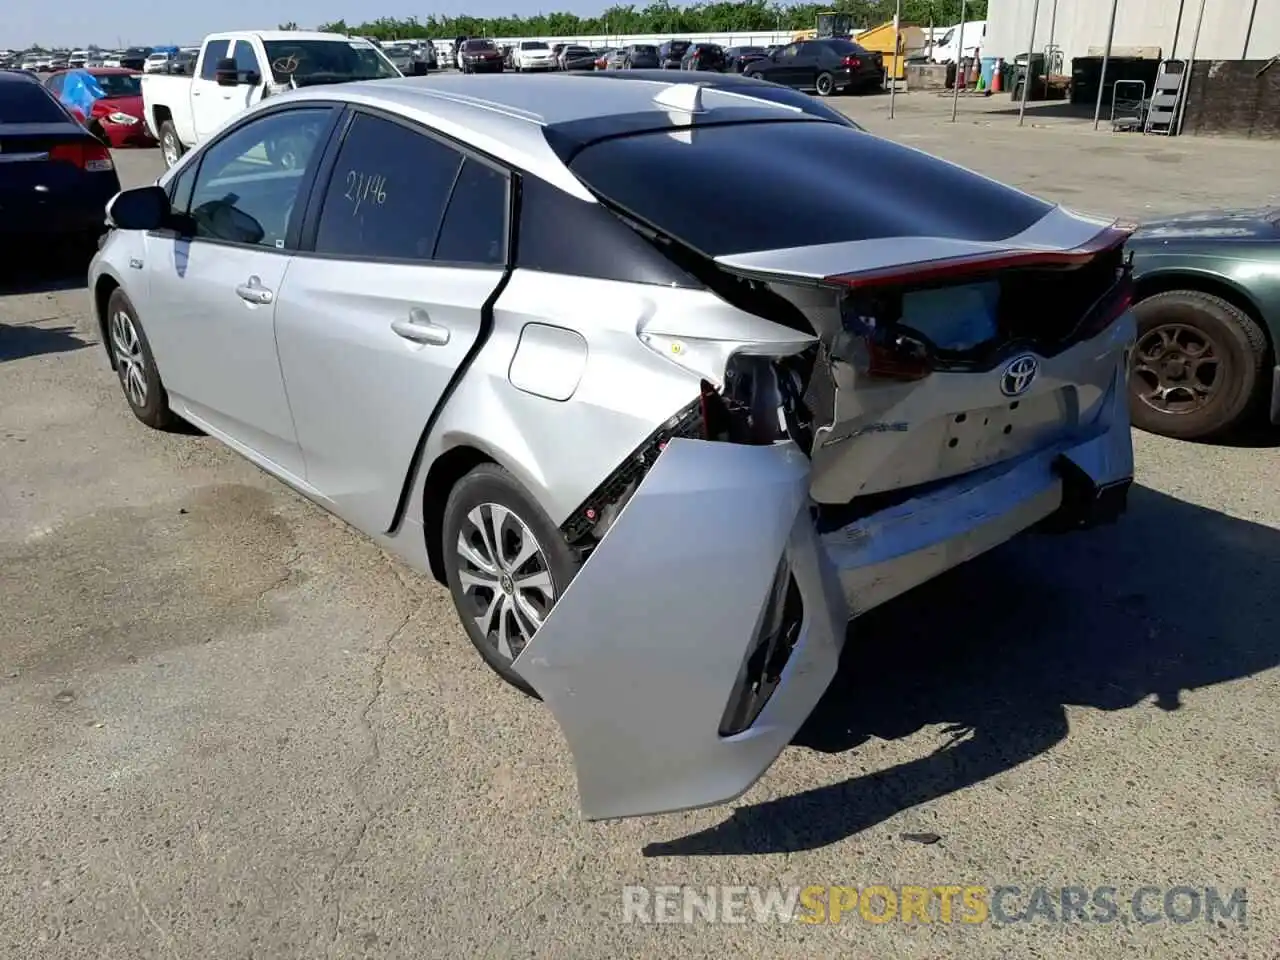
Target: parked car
{"points": [[107, 101], [532, 55], [671, 53], [576, 57], [1208, 313], [77, 59], [973, 35], [112, 59], [704, 56], [236, 70], [776, 426], [57, 177], [824, 66], [639, 56], [481, 56], [736, 58], [158, 61], [411, 58], [609, 58], [135, 58]]}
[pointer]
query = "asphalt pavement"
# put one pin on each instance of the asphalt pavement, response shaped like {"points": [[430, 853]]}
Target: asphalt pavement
{"points": [[230, 727]]}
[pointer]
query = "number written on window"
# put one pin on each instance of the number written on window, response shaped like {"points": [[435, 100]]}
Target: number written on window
{"points": [[365, 188]]}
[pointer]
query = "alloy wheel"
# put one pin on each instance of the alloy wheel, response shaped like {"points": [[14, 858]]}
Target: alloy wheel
{"points": [[169, 147], [1175, 369], [130, 362], [503, 573]]}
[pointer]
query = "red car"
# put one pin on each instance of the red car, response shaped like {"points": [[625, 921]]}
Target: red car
{"points": [[107, 100]]}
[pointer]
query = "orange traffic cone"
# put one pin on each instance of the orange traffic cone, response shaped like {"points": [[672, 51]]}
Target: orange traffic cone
{"points": [[997, 86]]}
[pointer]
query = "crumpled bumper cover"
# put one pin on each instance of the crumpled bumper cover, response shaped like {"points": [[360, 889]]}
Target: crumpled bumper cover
{"points": [[641, 654]]}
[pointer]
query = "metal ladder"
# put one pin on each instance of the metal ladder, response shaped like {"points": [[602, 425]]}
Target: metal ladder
{"points": [[1166, 93]]}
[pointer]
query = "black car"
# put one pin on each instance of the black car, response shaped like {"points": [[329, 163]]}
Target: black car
{"points": [[480, 56], [640, 56], [825, 66], [672, 52], [704, 56], [736, 58], [57, 177], [135, 57], [575, 57]]}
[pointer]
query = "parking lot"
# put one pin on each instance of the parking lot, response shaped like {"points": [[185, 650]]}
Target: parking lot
{"points": [[230, 727]]}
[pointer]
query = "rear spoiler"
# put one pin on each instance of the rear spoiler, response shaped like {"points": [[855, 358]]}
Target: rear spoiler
{"points": [[1061, 238]]}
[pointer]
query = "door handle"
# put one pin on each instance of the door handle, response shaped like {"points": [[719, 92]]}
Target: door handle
{"points": [[420, 329], [254, 292]]}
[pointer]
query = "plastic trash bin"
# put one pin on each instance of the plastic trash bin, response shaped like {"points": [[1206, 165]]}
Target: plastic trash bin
{"points": [[988, 71]]}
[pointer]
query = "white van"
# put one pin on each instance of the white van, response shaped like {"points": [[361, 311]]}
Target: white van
{"points": [[947, 48]]}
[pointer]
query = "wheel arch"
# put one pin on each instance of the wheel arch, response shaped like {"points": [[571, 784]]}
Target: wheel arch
{"points": [[1166, 281], [103, 287]]}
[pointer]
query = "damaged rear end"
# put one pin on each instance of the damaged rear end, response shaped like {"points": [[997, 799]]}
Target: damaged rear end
{"points": [[950, 385]]}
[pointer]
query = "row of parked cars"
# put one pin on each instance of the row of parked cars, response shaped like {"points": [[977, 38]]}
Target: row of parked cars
{"points": [[825, 66], [143, 59]]}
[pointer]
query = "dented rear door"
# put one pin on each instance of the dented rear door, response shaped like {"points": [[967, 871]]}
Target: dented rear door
{"points": [[645, 656]]}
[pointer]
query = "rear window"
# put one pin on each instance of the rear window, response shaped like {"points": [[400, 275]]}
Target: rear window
{"points": [[533, 45], [644, 48], [23, 102], [820, 183], [472, 46]]}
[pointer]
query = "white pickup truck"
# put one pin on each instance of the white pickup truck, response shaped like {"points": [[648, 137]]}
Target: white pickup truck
{"points": [[236, 70]]}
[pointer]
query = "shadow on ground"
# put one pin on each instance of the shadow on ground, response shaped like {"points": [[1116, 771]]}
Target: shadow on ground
{"points": [[1173, 598], [1053, 110], [43, 268], [28, 340]]}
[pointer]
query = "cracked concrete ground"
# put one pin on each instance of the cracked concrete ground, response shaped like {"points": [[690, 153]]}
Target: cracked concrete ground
{"points": [[230, 727]]}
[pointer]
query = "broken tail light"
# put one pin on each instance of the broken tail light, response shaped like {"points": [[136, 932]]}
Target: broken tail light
{"points": [[1110, 306]]}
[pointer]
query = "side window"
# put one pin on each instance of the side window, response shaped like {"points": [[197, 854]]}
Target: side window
{"points": [[791, 50], [248, 183], [475, 224], [388, 192], [180, 187], [55, 84], [246, 59], [214, 51]]}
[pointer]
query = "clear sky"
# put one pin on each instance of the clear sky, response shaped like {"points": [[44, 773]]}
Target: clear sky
{"points": [[75, 23]]}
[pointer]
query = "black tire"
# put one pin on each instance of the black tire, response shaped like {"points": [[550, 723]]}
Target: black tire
{"points": [[153, 408], [824, 84], [1238, 385], [490, 484], [169, 140]]}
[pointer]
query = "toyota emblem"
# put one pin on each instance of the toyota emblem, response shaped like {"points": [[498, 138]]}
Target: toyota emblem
{"points": [[1017, 377]]}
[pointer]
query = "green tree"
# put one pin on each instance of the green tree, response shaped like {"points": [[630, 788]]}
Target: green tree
{"points": [[717, 16]]}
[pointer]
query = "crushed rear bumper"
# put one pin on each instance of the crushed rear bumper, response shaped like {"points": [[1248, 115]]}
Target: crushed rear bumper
{"points": [[670, 616]]}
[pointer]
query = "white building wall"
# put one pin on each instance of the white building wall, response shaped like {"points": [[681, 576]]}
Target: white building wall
{"points": [[1077, 25]]}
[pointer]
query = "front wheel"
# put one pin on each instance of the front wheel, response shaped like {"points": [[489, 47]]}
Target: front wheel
{"points": [[506, 565], [825, 84], [135, 365], [1198, 365], [171, 148]]}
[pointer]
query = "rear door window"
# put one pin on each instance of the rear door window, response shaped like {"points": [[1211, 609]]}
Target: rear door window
{"points": [[474, 230], [388, 192], [822, 183]]}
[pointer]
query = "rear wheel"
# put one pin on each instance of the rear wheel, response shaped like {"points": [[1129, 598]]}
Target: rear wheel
{"points": [[1198, 365], [825, 84], [506, 564], [171, 147]]}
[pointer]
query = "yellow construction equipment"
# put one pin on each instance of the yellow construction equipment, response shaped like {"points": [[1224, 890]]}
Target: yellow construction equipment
{"points": [[880, 40], [828, 23]]}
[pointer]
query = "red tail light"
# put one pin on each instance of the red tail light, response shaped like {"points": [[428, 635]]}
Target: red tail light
{"points": [[852, 62], [932, 271], [90, 157]]}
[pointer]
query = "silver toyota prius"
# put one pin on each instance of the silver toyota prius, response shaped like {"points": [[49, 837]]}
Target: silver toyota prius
{"points": [[668, 381]]}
